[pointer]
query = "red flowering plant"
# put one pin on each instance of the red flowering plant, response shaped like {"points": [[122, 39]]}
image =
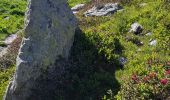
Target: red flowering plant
{"points": [[153, 82]]}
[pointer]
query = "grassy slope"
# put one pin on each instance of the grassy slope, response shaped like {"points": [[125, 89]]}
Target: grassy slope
{"points": [[107, 35], [153, 17]]}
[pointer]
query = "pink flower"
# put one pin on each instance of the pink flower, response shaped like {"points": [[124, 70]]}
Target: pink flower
{"points": [[164, 81], [168, 72], [146, 79], [134, 77]]}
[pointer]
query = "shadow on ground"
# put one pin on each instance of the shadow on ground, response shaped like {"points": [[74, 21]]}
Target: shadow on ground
{"points": [[87, 75], [90, 74]]}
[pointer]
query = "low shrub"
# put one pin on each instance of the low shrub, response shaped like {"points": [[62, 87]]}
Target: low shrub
{"points": [[5, 77], [153, 82]]}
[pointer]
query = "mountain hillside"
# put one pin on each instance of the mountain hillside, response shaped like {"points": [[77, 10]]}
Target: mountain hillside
{"points": [[123, 55]]}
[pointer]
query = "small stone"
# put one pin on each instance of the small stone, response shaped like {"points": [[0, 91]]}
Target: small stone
{"points": [[136, 28], [140, 43], [139, 50], [75, 12], [77, 7], [1, 48], [121, 10], [6, 18], [10, 39], [122, 60], [153, 43], [149, 34], [3, 51], [103, 10], [142, 4]]}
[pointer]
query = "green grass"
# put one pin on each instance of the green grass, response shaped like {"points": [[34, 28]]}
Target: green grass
{"points": [[75, 2], [11, 17], [11, 21], [5, 77], [102, 33]]}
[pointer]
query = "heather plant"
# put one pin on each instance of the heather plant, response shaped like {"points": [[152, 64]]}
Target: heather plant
{"points": [[153, 82]]}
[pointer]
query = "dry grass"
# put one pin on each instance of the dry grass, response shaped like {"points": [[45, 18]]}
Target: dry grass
{"points": [[9, 59]]}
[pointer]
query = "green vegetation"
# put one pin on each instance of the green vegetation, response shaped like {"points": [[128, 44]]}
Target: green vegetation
{"points": [[98, 45], [74, 2], [111, 39], [11, 16], [5, 77], [151, 82], [11, 21]]}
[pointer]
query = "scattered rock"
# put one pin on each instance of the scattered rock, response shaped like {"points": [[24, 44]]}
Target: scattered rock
{"points": [[10, 39], [121, 10], [122, 60], [136, 28], [49, 34], [3, 51], [1, 48], [7, 42], [149, 34], [6, 18], [139, 43], [153, 43], [134, 40], [77, 8], [142, 4], [103, 10], [8, 55], [139, 50]]}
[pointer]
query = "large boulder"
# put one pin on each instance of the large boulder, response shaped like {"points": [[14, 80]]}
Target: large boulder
{"points": [[49, 33]]}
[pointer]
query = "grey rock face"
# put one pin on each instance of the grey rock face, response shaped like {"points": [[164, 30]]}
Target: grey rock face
{"points": [[103, 10], [136, 28], [49, 33]]}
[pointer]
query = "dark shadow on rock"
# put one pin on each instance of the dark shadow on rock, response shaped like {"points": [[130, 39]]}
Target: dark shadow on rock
{"points": [[49, 85]]}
